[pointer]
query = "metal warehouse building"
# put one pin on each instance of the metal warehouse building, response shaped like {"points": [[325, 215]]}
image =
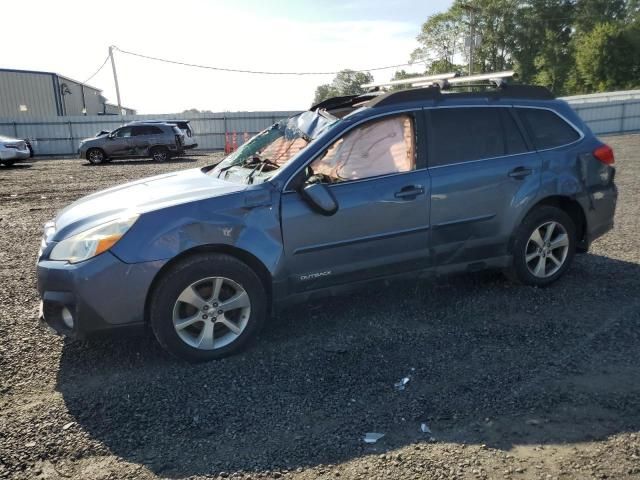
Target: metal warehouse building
{"points": [[32, 93]]}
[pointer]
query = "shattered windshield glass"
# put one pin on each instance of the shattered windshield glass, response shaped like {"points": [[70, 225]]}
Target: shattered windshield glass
{"points": [[274, 147]]}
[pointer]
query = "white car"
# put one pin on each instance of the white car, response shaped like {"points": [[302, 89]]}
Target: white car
{"points": [[13, 150]]}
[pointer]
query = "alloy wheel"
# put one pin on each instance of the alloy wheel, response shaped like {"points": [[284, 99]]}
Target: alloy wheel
{"points": [[211, 313], [96, 156], [159, 155], [547, 249]]}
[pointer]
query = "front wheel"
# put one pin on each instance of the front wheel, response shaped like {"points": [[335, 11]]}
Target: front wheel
{"points": [[7, 163], [543, 247], [96, 156], [207, 307]]}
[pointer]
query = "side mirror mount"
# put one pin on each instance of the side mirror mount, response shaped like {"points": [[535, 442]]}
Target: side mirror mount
{"points": [[319, 198]]}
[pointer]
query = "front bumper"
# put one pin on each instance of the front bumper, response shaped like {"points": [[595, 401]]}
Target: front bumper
{"points": [[100, 294]]}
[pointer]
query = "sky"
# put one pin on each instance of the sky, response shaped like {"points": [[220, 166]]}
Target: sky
{"points": [[71, 38]]}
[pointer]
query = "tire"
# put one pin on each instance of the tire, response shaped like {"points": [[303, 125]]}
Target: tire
{"points": [[96, 156], [199, 275], [535, 260], [7, 163], [160, 154]]}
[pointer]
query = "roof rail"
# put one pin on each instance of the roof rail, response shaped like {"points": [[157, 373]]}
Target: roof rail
{"points": [[433, 92], [429, 79]]}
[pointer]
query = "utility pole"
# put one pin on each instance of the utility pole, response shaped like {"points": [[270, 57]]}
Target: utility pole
{"points": [[472, 32], [115, 79]]}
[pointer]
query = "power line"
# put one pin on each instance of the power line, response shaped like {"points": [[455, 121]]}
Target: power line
{"points": [[253, 72], [97, 71]]}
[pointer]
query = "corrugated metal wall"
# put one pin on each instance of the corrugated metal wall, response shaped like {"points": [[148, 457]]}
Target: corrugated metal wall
{"points": [[35, 91], [61, 135], [40, 92]]}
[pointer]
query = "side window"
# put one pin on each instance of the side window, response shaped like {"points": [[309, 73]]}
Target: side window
{"points": [[465, 134], [151, 130], [513, 141], [123, 132], [138, 131], [546, 129], [377, 148]]}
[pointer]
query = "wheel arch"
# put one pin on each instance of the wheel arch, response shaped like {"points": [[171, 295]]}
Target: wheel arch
{"points": [[572, 208], [244, 256]]}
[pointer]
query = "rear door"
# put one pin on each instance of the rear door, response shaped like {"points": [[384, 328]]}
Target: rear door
{"points": [[482, 170], [376, 171]]}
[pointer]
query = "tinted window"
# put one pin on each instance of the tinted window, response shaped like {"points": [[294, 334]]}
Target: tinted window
{"points": [[513, 141], [123, 132], [546, 129], [376, 148], [464, 134]]}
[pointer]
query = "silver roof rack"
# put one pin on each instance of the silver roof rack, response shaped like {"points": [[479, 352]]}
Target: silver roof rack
{"points": [[409, 81], [444, 80]]}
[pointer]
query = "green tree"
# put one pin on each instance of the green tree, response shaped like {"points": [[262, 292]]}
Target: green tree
{"points": [[346, 82], [608, 57], [440, 40]]}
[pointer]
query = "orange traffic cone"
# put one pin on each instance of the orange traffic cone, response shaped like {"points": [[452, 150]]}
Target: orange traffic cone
{"points": [[245, 137], [227, 145], [234, 139]]}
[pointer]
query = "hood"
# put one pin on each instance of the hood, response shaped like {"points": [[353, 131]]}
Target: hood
{"points": [[148, 194]]}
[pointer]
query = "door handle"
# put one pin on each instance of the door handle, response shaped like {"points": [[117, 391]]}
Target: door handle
{"points": [[410, 192], [520, 172]]}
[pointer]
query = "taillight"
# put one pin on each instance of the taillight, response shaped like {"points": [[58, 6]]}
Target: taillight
{"points": [[604, 153]]}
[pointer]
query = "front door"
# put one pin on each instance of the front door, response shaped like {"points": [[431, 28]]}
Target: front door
{"points": [[481, 172], [376, 173], [120, 144]]}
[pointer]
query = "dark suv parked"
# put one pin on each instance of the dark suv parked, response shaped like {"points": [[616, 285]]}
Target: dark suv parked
{"points": [[411, 182], [156, 140]]}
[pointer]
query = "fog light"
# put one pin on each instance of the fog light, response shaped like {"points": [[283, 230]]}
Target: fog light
{"points": [[67, 318]]}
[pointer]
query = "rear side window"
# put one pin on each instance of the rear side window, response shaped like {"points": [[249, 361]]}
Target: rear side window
{"points": [[513, 141], [465, 134], [546, 129]]}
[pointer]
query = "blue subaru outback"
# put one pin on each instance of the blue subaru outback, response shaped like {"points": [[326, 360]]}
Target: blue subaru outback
{"points": [[359, 188]]}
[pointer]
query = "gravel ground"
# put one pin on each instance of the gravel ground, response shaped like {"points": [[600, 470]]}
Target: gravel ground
{"points": [[513, 382]]}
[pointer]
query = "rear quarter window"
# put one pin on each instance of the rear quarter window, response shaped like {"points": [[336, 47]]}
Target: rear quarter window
{"points": [[546, 128]]}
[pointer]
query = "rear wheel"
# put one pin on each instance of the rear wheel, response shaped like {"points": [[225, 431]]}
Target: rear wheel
{"points": [[207, 306], [96, 156], [160, 154], [543, 248]]}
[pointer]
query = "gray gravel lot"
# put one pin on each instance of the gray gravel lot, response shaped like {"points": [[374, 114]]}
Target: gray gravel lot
{"points": [[514, 382]]}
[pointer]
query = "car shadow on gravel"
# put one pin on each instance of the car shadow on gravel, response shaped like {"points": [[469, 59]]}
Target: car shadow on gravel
{"points": [[142, 161], [15, 166], [488, 362]]}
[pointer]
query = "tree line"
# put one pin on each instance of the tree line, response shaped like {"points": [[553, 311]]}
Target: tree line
{"points": [[569, 46]]}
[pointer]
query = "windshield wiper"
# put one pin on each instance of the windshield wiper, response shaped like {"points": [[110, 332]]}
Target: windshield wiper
{"points": [[262, 162]]}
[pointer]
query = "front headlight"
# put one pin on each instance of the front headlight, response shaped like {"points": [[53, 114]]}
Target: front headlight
{"points": [[92, 242]]}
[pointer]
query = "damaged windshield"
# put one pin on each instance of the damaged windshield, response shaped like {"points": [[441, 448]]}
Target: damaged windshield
{"points": [[272, 148]]}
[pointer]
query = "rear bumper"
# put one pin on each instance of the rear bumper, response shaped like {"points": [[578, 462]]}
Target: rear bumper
{"points": [[600, 211], [14, 154], [100, 295]]}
